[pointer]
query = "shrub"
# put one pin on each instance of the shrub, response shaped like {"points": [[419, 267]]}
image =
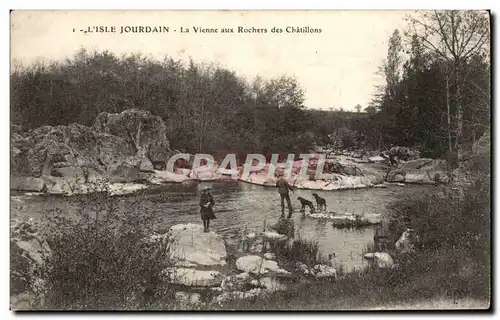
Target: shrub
{"points": [[99, 257]]}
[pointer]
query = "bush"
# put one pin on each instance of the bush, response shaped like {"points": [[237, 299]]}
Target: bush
{"points": [[99, 257]]}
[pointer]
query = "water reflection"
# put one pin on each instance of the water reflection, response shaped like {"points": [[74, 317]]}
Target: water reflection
{"points": [[256, 207]]}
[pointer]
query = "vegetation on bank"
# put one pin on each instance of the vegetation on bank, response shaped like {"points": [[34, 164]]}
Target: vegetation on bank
{"points": [[99, 257], [435, 100], [453, 262]]}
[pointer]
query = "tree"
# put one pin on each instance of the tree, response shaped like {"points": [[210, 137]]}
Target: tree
{"points": [[455, 37], [358, 108], [393, 64], [371, 109]]}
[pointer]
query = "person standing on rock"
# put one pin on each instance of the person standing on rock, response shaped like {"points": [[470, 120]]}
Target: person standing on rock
{"points": [[206, 204], [283, 188]]}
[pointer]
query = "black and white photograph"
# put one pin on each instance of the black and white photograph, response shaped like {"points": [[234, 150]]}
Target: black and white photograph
{"points": [[258, 160]]}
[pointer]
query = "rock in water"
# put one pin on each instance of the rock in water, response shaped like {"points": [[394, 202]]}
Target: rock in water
{"points": [[274, 236], [381, 259], [251, 264], [188, 242], [197, 256]]}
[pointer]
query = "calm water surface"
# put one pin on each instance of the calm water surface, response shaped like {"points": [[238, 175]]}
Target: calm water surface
{"points": [[239, 204]]}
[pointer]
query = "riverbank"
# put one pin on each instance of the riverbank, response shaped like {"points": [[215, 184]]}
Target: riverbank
{"points": [[451, 259], [449, 266], [128, 151]]}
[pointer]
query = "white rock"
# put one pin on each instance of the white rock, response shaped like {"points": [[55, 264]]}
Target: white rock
{"points": [[243, 276], [282, 271], [273, 235], [251, 264], [381, 259], [270, 265], [255, 283], [269, 256], [189, 243], [167, 176]]}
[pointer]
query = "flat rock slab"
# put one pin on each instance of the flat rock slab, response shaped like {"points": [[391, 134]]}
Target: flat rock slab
{"points": [[188, 243]]}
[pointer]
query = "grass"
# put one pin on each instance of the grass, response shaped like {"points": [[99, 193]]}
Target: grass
{"points": [[99, 260], [451, 265]]}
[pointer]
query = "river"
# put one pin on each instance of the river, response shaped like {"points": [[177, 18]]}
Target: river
{"points": [[239, 204]]}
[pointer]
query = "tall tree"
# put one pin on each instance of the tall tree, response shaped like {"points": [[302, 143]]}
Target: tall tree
{"points": [[454, 36]]}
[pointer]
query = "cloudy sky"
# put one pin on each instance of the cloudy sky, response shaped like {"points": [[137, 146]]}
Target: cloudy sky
{"points": [[336, 68]]}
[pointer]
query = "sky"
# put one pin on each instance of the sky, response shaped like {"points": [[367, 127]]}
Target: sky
{"points": [[336, 68]]}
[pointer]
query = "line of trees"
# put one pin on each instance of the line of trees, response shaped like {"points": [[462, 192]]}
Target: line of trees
{"points": [[206, 107], [437, 92], [436, 97]]}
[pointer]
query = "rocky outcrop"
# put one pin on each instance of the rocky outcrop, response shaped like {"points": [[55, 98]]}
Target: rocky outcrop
{"points": [[336, 176], [422, 171], [142, 131], [28, 252], [71, 159]]}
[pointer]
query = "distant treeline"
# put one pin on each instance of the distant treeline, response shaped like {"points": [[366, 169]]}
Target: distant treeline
{"points": [[206, 108], [436, 100]]}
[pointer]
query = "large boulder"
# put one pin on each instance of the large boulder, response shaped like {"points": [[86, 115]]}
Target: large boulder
{"points": [[189, 243], [197, 257], [115, 150], [140, 129]]}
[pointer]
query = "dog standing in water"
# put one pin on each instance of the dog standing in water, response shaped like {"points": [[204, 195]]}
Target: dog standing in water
{"points": [[320, 202], [304, 203]]}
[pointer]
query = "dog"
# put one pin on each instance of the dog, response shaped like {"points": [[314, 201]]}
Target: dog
{"points": [[320, 202], [304, 203]]}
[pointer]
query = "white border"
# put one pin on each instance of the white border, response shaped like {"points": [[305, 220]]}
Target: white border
{"points": [[191, 5]]}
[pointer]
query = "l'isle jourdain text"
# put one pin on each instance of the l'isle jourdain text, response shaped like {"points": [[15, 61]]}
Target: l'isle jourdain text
{"points": [[165, 29]]}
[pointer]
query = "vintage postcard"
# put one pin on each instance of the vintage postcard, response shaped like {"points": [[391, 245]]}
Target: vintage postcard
{"points": [[250, 160]]}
